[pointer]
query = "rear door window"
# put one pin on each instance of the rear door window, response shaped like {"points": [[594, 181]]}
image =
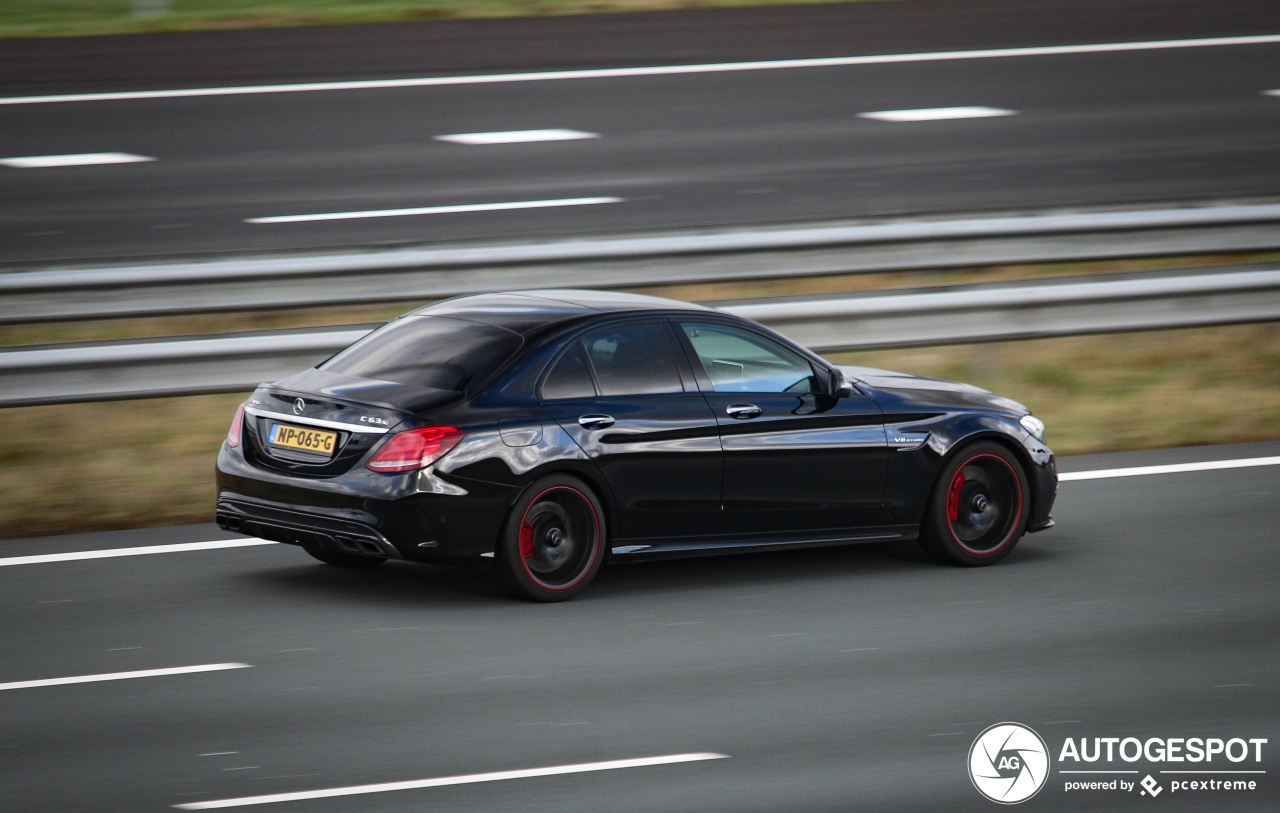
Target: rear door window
{"points": [[633, 360], [569, 378]]}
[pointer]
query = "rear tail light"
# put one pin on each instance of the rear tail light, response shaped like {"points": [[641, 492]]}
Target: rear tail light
{"points": [[237, 423], [415, 449]]}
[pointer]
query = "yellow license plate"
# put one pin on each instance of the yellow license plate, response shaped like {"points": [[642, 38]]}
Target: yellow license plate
{"points": [[309, 440]]}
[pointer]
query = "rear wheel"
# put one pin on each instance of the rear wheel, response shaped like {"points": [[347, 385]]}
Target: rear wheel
{"points": [[978, 509], [341, 559], [552, 545]]}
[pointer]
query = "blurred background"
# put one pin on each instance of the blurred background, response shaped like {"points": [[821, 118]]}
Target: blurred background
{"points": [[1073, 203], [214, 201]]}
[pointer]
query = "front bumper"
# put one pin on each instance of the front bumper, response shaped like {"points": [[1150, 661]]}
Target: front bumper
{"points": [[1044, 485]]}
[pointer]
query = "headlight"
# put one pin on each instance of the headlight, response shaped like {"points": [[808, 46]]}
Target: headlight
{"points": [[1033, 425]]}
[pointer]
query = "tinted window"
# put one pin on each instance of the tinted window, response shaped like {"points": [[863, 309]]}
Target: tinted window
{"points": [[738, 360], [569, 378], [427, 351], [633, 360]]}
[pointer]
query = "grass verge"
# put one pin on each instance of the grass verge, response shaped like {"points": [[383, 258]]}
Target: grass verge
{"points": [[60, 18], [131, 464]]}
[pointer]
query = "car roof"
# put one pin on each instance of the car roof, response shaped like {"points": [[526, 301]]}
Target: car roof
{"points": [[527, 311]]}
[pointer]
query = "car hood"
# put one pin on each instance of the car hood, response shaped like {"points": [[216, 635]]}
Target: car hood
{"points": [[931, 391]]}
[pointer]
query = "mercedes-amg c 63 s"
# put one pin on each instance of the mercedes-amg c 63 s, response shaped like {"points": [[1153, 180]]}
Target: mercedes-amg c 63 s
{"points": [[545, 433]]}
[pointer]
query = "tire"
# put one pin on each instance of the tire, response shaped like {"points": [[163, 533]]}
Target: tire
{"points": [[978, 509], [553, 542], [346, 560]]}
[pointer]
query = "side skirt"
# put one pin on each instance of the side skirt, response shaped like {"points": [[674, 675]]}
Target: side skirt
{"points": [[635, 550]]}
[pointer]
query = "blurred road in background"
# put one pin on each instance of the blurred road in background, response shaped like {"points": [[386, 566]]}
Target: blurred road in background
{"points": [[836, 679], [721, 147]]}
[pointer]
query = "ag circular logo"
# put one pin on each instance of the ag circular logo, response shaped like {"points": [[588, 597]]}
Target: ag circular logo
{"points": [[1008, 763]]}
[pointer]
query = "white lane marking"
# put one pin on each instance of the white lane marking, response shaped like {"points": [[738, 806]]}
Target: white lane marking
{"points": [[938, 114], [444, 781], [1174, 468], [516, 137], [662, 70], [81, 160], [112, 553], [1271, 92], [436, 210], [145, 673], [218, 753]]}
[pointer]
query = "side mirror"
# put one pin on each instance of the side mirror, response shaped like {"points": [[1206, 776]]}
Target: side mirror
{"points": [[843, 387]]}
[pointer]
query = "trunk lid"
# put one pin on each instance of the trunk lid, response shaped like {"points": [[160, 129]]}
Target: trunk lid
{"points": [[320, 424]]}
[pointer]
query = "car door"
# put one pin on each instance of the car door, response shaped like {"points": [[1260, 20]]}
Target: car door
{"points": [[796, 459], [631, 403]]}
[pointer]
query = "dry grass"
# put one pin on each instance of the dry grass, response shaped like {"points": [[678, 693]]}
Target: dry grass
{"points": [[143, 463], [1124, 391], [53, 18]]}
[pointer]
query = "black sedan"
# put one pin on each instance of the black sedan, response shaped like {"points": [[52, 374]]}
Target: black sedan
{"points": [[547, 432]]}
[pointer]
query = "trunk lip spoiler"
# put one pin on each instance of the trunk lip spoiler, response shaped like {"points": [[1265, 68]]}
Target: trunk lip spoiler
{"points": [[350, 427]]}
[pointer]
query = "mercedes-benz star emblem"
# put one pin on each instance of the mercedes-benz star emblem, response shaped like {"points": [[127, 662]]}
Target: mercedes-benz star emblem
{"points": [[298, 407]]}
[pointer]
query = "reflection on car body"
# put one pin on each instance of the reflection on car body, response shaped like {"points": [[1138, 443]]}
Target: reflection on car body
{"points": [[548, 432]]}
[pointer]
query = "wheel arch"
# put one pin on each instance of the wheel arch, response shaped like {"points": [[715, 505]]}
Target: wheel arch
{"points": [[1002, 439], [589, 476]]}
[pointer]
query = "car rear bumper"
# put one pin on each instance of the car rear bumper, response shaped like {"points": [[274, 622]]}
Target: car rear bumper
{"points": [[241, 514], [414, 516]]}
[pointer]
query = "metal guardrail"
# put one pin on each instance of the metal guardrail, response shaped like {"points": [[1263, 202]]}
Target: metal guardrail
{"points": [[878, 320], [432, 273]]}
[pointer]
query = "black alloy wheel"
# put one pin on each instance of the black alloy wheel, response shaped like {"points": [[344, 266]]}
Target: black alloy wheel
{"points": [[978, 510], [553, 542]]}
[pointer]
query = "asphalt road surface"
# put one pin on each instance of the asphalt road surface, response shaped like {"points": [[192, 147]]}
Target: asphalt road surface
{"points": [[837, 679], [675, 150]]}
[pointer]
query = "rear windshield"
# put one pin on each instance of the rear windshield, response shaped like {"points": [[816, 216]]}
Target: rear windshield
{"points": [[427, 351]]}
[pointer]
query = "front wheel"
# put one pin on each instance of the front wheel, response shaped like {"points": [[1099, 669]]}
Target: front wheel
{"points": [[978, 509], [552, 545]]}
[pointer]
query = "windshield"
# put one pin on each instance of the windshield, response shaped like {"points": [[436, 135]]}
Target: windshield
{"points": [[427, 351]]}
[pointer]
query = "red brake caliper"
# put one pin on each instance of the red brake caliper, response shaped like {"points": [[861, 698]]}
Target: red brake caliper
{"points": [[526, 540], [953, 496]]}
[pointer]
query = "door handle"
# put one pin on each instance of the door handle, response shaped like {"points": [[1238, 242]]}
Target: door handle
{"points": [[743, 411], [595, 421]]}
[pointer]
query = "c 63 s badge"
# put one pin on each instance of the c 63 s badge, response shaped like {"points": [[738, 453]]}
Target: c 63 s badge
{"points": [[1008, 763]]}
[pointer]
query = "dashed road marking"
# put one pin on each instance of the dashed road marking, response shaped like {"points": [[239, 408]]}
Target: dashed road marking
{"points": [[79, 160], [938, 114], [144, 673], [445, 781], [435, 210], [516, 137]]}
